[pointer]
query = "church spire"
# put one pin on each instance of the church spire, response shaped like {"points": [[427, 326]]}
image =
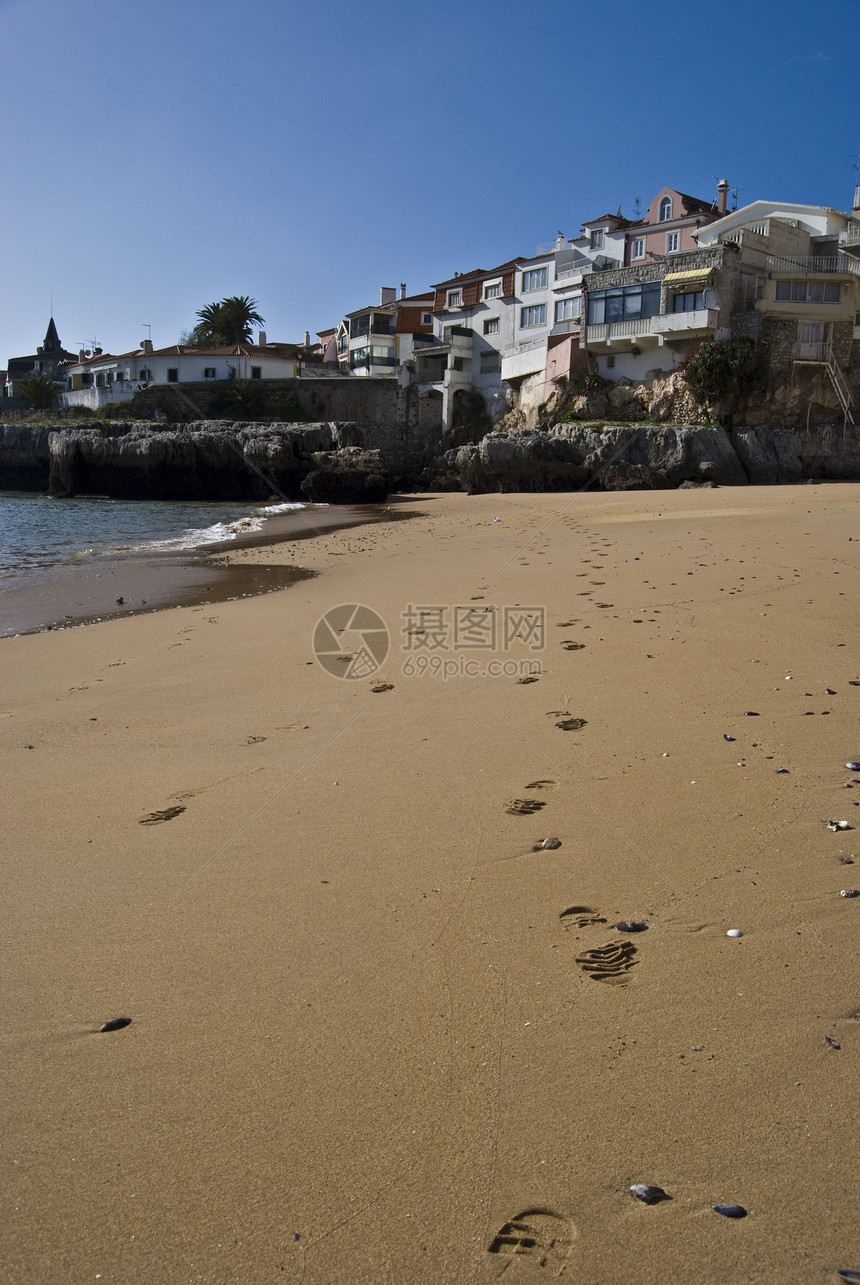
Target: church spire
{"points": [[52, 339]]}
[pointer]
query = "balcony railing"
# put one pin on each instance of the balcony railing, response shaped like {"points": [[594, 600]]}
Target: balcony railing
{"points": [[698, 319], [617, 330], [817, 352], [850, 235], [812, 263]]}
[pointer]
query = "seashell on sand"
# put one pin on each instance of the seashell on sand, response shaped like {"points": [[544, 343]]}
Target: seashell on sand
{"points": [[649, 1195], [730, 1211]]}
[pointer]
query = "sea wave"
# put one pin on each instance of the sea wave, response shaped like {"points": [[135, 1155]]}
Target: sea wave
{"points": [[195, 537]]}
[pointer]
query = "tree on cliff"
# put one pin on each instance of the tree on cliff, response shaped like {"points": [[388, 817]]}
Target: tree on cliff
{"points": [[40, 391], [229, 321]]}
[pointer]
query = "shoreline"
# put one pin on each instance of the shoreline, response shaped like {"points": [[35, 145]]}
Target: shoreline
{"points": [[75, 596]]}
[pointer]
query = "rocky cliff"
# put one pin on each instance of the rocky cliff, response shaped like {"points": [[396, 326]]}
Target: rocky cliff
{"points": [[339, 462], [628, 457], [212, 461]]}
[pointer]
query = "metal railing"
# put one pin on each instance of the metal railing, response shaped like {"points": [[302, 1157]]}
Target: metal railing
{"points": [[812, 263], [811, 351]]}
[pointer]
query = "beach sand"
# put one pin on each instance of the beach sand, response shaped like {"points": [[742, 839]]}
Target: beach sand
{"points": [[376, 1036]]}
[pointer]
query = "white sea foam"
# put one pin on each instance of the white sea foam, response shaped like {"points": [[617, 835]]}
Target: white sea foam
{"points": [[194, 537]]}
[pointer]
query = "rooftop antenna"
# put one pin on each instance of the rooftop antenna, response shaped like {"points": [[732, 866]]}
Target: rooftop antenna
{"points": [[146, 326], [636, 210]]}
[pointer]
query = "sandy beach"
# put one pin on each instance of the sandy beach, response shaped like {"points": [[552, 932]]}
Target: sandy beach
{"points": [[379, 1032]]}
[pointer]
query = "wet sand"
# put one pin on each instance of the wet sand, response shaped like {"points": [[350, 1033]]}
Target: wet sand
{"points": [[378, 1032], [109, 588]]}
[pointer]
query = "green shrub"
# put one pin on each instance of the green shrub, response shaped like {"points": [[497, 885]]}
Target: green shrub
{"points": [[726, 367]]}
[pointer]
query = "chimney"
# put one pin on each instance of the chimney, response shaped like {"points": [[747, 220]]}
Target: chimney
{"points": [[307, 339], [722, 195], [146, 346], [387, 294], [402, 289], [855, 210], [261, 338], [81, 355]]}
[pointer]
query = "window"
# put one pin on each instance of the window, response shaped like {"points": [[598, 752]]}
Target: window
{"points": [[359, 325], [625, 303], [144, 374], [256, 372], [692, 301], [490, 361], [209, 372], [569, 309], [534, 279], [427, 319], [100, 380], [665, 209], [493, 290], [533, 316], [455, 298], [491, 326], [809, 291], [639, 247], [595, 239], [809, 332], [672, 242], [172, 374], [359, 357]]}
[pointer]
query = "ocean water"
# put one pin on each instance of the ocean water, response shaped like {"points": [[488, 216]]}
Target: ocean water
{"points": [[41, 537]]}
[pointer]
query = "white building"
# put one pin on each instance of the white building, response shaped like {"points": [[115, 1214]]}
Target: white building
{"points": [[103, 379]]}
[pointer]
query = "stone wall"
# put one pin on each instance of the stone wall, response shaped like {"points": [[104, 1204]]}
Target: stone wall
{"points": [[402, 421]]}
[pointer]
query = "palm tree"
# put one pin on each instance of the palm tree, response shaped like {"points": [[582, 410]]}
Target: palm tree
{"points": [[41, 391], [230, 321]]}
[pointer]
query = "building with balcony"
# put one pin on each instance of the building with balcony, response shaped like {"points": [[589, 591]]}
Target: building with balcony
{"points": [[651, 317], [375, 340], [799, 289]]}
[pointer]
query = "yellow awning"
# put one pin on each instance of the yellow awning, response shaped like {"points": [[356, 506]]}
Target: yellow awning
{"points": [[687, 278]]}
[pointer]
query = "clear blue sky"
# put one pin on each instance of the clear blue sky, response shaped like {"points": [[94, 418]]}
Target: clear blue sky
{"points": [[159, 156]]}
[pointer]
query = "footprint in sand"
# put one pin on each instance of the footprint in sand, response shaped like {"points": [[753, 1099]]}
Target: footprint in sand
{"points": [[571, 724], [383, 687], [253, 740], [537, 1234], [581, 917], [524, 807], [155, 818], [542, 785], [607, 963], [531, 678], [572, 646]]}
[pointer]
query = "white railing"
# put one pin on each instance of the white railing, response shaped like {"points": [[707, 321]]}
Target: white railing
{"points": [[812, 263], [850, 235], [618, 330], [535, 343], [700, 319]]}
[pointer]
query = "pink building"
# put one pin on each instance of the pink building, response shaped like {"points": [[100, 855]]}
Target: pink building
{"points": [[670, 224]]}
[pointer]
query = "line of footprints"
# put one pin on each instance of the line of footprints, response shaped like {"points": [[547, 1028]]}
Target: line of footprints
{"points": [[612, 961]]}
